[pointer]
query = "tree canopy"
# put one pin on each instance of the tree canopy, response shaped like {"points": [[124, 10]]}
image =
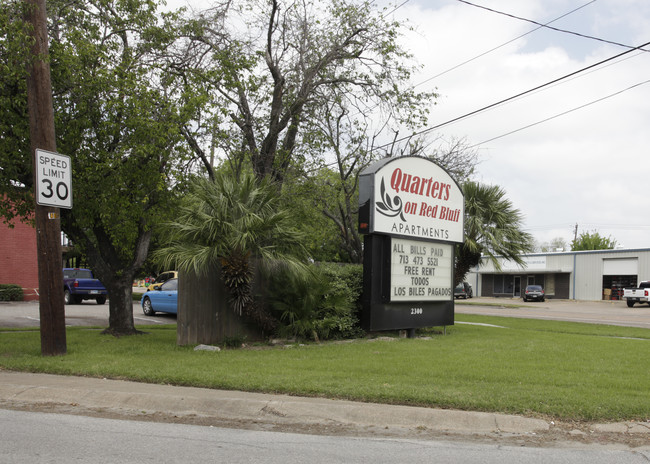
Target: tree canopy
{"points": [[592, 241], [270, 69], [114, 118]]}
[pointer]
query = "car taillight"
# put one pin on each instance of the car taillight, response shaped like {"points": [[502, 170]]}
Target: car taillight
{"points": [[76, 283], [646, 293]]}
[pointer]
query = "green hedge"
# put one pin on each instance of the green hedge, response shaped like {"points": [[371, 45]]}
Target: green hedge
{"points": [[11, 292]]}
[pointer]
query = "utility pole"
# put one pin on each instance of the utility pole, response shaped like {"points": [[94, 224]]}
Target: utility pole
{"points": [[575, 233], [48, 219]]}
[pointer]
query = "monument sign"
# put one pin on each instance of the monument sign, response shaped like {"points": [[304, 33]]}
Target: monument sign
{"points": [[411, 212]]}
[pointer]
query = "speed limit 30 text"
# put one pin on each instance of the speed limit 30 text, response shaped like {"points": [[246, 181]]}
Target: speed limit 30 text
{"points": [[53, 167]]}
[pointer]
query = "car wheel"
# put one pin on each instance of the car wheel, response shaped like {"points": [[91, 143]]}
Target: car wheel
{"points": [[524, 299], [630, 303], [67, 297], [101, 299], [147, 307]]}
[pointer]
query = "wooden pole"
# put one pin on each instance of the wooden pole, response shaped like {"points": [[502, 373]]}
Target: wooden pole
{"points": [[48, 222]]}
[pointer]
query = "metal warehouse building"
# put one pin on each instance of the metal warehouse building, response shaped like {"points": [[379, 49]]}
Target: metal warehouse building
{"points": [[576, 275]]}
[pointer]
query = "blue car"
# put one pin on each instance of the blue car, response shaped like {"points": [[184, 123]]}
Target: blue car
{"points": [[163, 299]]}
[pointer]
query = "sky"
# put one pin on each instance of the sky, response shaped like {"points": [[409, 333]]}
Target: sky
{"points": [[584, 167], [573, 156]]}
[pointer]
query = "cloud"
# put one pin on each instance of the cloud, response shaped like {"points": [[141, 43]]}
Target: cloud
{"points": [[586, 166]]}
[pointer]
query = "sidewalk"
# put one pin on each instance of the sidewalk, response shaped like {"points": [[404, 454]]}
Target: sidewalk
{"points": [[76, 394], [166, 403]]}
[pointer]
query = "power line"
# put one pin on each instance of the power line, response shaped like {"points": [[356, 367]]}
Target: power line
{"points": [[501, 102], [398, 7], [550, 27], [502, 45], [561, 114]]}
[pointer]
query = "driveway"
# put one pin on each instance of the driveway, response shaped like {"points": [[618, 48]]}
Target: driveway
{"points": [[88, 313], [26, 314], [592, 312]]}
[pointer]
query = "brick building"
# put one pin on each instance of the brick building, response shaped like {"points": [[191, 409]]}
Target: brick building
{"points": [[19, 258]]}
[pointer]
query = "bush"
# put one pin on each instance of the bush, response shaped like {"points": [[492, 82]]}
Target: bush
{"points": [[11, 292], [322, 304]]}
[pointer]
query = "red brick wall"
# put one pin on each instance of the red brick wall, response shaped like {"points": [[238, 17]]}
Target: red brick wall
{"points": [[18, 258]]}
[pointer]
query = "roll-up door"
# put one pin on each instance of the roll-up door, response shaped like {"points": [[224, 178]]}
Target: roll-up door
{"points": [[621, 266]]}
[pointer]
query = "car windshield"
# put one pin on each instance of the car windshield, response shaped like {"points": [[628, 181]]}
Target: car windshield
{"points": [[534, 288]]}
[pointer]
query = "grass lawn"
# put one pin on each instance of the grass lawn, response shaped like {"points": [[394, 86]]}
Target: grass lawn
{"points": [[532, 367]]}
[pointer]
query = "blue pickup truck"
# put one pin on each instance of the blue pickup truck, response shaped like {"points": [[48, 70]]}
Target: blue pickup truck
{"points": [[79, 284]]}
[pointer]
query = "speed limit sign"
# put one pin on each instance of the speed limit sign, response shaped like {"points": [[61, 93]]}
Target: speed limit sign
{"points": [[53, 179]]}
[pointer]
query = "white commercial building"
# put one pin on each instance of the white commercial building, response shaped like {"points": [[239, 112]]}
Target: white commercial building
{"points": [[575, 275]]}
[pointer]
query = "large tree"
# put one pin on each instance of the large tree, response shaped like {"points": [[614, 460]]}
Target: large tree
{"points": [[493, 229], [116, 120], [268, 67]]}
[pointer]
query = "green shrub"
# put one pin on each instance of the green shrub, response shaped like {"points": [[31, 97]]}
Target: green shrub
{"points": [[351, 275], [321, 304], [11, 292]]}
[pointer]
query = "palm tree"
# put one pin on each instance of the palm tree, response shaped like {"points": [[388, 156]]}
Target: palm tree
{"points": [[233, 223], [492, 228]]}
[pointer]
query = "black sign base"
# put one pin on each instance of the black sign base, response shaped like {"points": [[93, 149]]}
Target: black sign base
{"points": [[379, 313]]}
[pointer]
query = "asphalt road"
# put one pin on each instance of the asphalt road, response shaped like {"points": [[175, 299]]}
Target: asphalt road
{"points": [[26, 314], [44, 438], [591, 312], [88, 313]]}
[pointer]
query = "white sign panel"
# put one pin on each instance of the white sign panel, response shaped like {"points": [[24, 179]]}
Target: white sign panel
{"points": [[415, 197], [53, 179], [420, 271]]}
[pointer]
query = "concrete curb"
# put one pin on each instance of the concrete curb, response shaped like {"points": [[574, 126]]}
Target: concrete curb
{"points": [[129, 398]]}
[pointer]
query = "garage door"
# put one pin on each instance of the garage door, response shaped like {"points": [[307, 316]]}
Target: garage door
{"points": [[628, 266]]}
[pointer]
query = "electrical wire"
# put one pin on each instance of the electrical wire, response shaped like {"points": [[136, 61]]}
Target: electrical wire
{"points": [[561, 114], [550, 27], [397, 8], [505, 100], [503, 44]]}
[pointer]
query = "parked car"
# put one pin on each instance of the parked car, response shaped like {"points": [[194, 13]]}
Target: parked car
{"points": [[463, 290], [637, 295], [163, 299], [534, 292], [161, 279], [80, 284]]}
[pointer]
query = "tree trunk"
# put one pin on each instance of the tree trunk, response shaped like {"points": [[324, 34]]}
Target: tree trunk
{"points": [[120, 305]]}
